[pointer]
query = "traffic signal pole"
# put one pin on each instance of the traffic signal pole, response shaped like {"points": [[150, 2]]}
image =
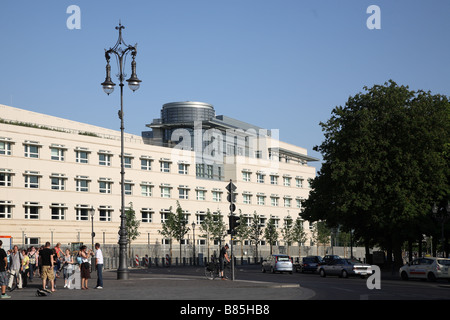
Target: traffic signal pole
{"points": [[231, 187]]}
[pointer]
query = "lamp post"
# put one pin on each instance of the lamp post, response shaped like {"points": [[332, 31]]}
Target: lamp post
{"points": [[108, 87], [442, 214], [193, 232], [92, 212]]}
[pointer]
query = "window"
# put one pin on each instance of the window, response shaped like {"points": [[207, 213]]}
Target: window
{"points": [[31, 210], [105, 213], [58, 211], [274, 201], [298, 203], [146, 164], [128, 188], [260, 178], [183, 168], [183, 192], [201, 195], [287, 181], [82, 155], [57, 181], [299, 182], [146, 214], [104, 159], [246, 176], [273, 179], [5, 210], [209, 171], [57, 152], [5, 146], [165, 192], [261, 200], [104, 185], [82, 212], [287, 202], [247, 198], [31, 179], [127, 161], [164, 166], [5, 178], [200, 170], [146, 189], [164, 215], [82, 183], [217, 196], [31, 149]]}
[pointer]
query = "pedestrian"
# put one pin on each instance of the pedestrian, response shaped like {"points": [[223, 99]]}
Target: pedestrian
{"points": [[67, 268], [47, 263], [85, 267], [32, 254], [58, 259], [3, 273], [15, 267], [99, 266], [222, 257], [25, 268]]}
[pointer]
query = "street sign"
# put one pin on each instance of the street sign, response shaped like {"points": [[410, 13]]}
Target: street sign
{"points": [[230, 187]]}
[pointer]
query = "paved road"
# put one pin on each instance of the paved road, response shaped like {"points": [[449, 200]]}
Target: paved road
{"points": [[189, 283]]}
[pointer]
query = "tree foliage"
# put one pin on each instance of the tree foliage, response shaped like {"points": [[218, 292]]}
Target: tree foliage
{"points": [[385, 162]]}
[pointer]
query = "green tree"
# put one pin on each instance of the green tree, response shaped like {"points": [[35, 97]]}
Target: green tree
{"points": [[384, 165], [131, 225], [255, 232], [299, 234], [271, 234]]}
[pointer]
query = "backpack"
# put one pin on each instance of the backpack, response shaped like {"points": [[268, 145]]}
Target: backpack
{"points": [[42, 293]]}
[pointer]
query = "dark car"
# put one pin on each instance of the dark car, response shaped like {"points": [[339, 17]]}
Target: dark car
{"points": [[310, 264], [330, 257]]}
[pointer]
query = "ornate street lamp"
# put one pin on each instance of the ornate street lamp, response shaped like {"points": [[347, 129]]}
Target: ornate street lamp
{"points": [[108, 87]]}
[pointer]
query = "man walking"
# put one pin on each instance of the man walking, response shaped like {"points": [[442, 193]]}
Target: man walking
{"points": [[3, 273], [15, 267], [99, 266], [47, 262]]}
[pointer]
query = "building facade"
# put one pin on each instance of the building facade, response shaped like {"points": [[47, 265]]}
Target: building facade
{"points": [[59, 178]]}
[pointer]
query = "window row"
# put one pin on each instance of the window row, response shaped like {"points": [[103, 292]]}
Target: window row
{"points": [[58, 182], [104, 213], [274, 179], [84, 156]]}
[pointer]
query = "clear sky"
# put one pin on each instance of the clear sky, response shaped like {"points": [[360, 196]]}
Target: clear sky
{"points": [[277, 64]]}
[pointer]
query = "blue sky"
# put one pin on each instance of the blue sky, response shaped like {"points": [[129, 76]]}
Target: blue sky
{"points": [[281, 64]]}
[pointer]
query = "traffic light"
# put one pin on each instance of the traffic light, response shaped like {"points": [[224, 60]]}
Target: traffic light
{"points": [[234, 223]]}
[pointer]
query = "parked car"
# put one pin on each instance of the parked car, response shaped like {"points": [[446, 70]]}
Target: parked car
{"points": [[426, 268], [329, 257], [309, 264], [345, 268], [277, 263]]}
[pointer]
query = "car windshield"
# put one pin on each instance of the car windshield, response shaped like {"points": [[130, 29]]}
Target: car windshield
{"points": [[444, 262], [309, 260]]}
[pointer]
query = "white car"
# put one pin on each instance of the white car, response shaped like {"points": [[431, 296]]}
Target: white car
{"points": [[277, 263], [426, 268]]}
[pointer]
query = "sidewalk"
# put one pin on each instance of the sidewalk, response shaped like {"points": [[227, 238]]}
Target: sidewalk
{"points": [[152, 284]]}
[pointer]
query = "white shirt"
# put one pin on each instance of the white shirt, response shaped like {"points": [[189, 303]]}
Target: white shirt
{"points": [[99, 256]]}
